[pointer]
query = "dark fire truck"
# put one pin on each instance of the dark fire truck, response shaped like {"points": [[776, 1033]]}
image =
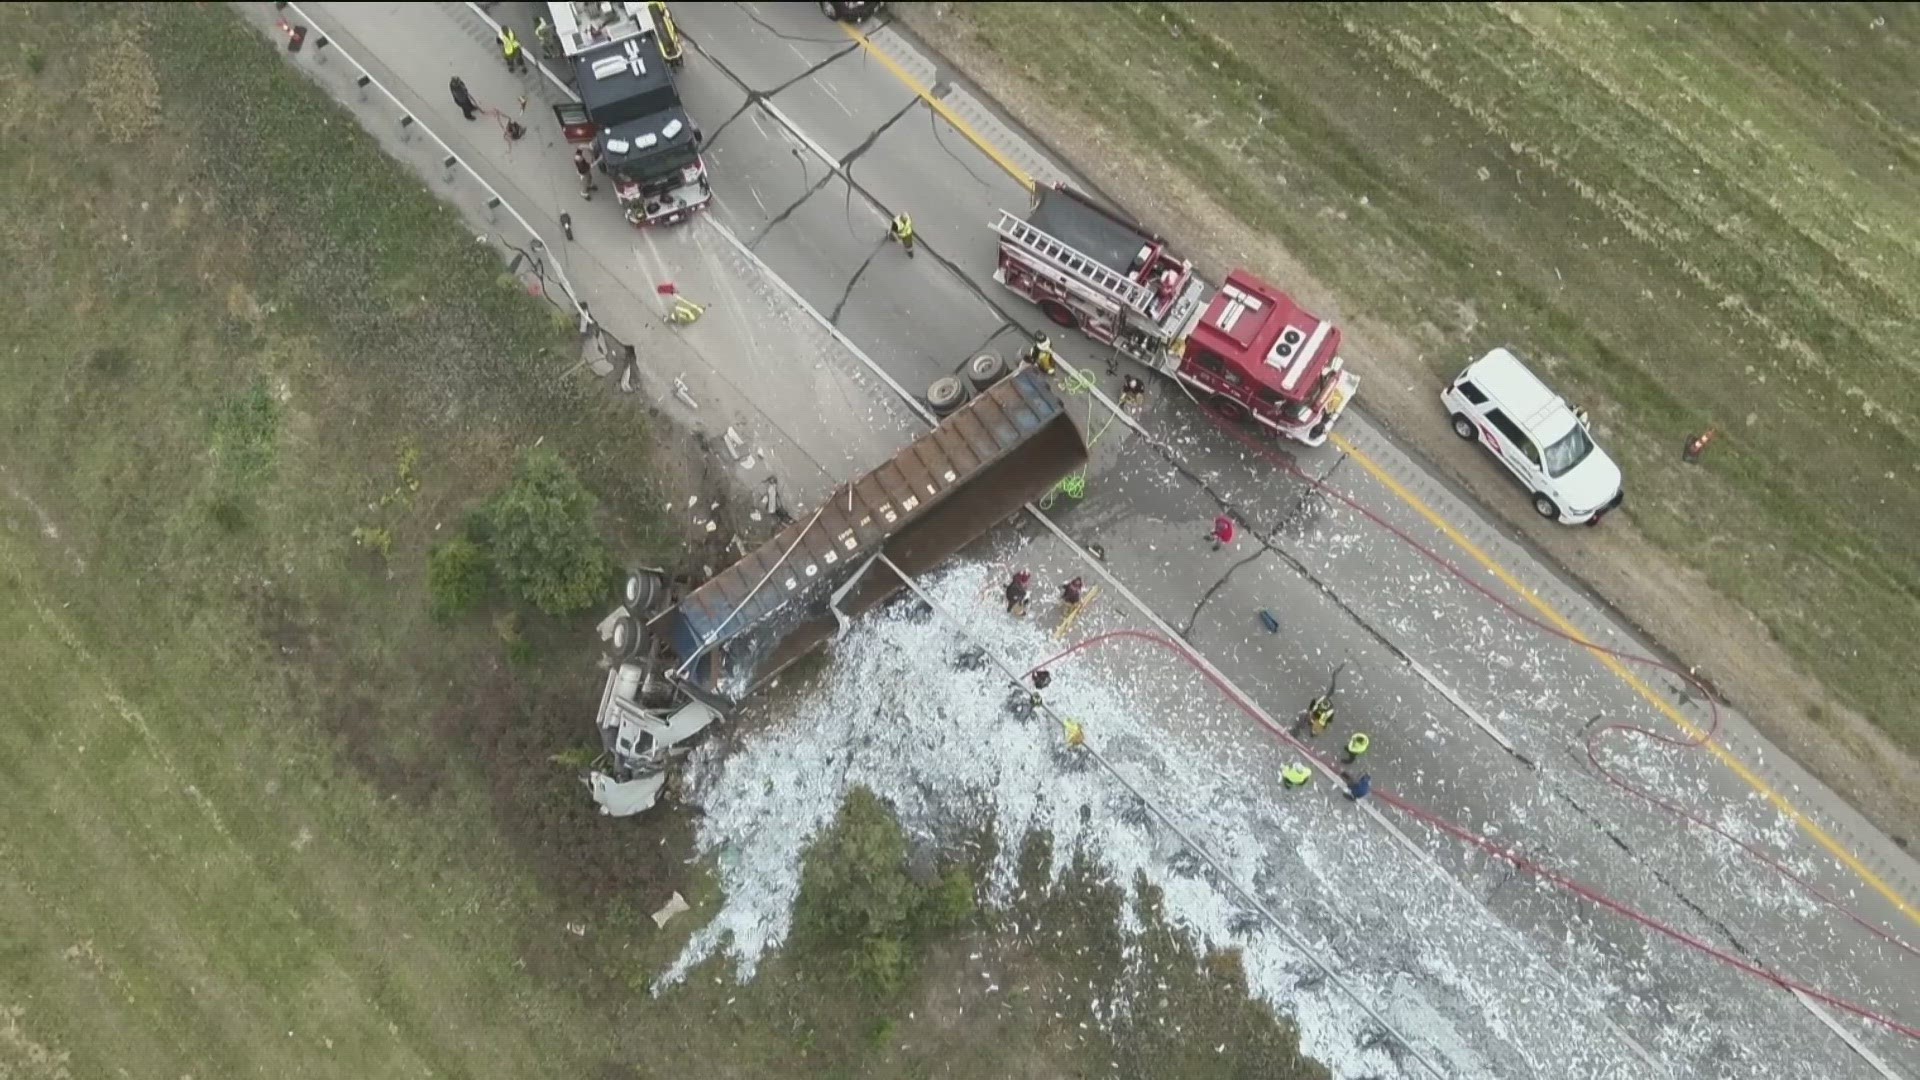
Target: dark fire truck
{"points": [[1246, 350], [622, 56]]}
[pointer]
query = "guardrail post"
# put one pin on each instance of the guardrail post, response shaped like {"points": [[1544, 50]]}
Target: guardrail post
{"points": [[449, 163], [361, 85], [406, 127], [493, 207]]}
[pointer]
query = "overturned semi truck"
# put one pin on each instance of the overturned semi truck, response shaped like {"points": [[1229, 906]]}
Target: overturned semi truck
{"points": [[1008, 445]]}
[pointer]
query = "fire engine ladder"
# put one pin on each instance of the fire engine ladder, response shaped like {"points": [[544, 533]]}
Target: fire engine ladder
{"points": [[1056, 255]]}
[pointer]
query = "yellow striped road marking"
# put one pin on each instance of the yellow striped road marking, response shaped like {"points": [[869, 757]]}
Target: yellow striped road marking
{"points": [[940, 107], [1738, 767]]}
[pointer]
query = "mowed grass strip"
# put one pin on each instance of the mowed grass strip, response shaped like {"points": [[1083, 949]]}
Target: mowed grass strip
{"points": [[1690, 216], [252, 821]]}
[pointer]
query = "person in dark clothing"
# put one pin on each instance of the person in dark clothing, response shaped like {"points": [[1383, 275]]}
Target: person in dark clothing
{"points": [[1132, 393], [583, 165], [462, 97], [1358, 786], [1072, 591], [1016, 593], [1042, 679]]}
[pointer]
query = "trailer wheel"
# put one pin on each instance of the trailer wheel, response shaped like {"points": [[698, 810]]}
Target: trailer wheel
{"points": [[1059, 314], [1464, 428], [986, 369], [1227, 408], [623, 641], [946, 395], [642, 592]]}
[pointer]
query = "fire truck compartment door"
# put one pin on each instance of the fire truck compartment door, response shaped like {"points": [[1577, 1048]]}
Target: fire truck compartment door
{"points": [[575, 124]]}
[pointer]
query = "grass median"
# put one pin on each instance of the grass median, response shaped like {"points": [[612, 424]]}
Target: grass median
{"points": [[260, 811], [1689, 216]]}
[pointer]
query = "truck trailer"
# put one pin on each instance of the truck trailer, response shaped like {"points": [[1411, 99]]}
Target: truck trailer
{"points": [[678, 670]]}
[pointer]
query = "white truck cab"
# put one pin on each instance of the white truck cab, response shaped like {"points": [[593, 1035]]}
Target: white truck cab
{"points": [[1501, 404]]}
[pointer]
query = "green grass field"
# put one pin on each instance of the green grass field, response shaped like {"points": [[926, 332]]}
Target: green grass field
{"points": [[259, 814], [1691, 215]]}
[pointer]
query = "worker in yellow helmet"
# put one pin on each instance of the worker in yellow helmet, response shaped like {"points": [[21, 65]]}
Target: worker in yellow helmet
{"points": [[1076, 738], [1356, 746], [1295, 775]]}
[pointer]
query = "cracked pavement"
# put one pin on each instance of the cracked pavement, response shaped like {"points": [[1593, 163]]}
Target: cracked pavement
{"points": [[1417, 643]]}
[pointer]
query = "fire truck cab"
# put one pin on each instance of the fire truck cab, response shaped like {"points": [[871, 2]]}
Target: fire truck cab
{"points": [[1248, 349], [629, 109], [1256, 354]]}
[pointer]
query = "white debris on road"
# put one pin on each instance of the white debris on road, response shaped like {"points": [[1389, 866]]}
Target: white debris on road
{"points": [[897, 715]]}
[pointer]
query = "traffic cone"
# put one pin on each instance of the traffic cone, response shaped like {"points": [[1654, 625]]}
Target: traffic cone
{"points": [[1698, 445]]}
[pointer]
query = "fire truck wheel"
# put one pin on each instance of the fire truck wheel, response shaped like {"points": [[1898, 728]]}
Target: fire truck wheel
{"points": [[1060, 314], [1464, 428], [623, 641], [946, 395], [986, 369], [1228, 409]]}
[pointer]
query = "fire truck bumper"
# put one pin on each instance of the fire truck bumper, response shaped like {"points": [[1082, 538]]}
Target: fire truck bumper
{"points": [[637, 214]]}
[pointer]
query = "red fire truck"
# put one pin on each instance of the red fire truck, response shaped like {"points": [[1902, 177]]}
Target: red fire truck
{"points": [[1247, 350], [629, 110]]}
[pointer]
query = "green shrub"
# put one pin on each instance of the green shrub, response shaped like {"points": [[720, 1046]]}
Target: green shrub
{"points": [[541, 535], [949, 903], [458, 578], [855, 896]]}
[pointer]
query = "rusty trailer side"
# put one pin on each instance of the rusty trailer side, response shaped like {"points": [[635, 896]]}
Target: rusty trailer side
{"points": [[996, 453]]}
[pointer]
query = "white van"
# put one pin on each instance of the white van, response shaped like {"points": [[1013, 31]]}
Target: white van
{"points": [[1498, 402]]}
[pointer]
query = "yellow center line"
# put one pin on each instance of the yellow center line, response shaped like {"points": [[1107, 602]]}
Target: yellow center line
{"points": [[1738, 767], [1734, 764], [940, 107]]}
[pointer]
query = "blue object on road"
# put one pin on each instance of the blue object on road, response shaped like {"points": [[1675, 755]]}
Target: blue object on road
{"points": [[1360, 786], [1267, 620]]}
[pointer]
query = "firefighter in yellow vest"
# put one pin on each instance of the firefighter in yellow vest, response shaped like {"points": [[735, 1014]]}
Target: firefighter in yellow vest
{"points": [[1076, 738], [902, 230], [1320, 714], [1295, 775], [1040, 354], [1356, 746], [510, 50]]}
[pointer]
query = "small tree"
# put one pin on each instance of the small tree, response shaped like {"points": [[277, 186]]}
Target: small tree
{"points": [[541, 534], [458, 577], [855, 896]]}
